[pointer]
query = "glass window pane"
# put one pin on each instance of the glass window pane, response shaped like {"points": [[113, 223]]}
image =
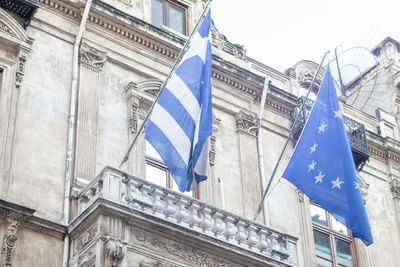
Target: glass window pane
{"points": [[318, 215], [343, 252], [323, 263], [177, 18], [338, 226], [151, 152], [157, 12], [156, 175], [322, 245]]}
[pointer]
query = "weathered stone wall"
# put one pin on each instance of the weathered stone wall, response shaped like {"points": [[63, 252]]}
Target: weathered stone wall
{"points": [[132, 59]]}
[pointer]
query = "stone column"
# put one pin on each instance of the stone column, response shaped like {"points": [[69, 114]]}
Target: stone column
{"points": [[247, 128], [92, 62]]}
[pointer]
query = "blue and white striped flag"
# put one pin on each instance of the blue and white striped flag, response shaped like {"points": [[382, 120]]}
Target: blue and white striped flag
{"points": [[181, 123]]}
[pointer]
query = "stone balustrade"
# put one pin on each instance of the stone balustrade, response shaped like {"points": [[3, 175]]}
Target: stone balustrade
{"points": [[179, 209]]}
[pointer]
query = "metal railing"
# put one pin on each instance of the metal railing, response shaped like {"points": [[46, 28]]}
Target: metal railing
{"points": [[355, 132]]}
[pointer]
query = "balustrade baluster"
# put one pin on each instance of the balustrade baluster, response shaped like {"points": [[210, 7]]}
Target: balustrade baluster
{"points": [[218, 228], [252, 239], [230, 231], [206, 222], [194, 219]]}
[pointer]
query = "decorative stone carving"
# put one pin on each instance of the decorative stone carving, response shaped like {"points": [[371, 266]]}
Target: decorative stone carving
{"points": [[114, 252], [133, 120], [20, 72], [300, 194], [155, 264], [85, 239], [6, 29], [92, 57], [364, 187], [88, 259], [221, 42], [305, 71], [184, 252], [395, 188], [247, 123], [9, 241], [213, 138]]}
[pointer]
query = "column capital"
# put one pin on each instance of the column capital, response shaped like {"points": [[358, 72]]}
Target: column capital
{"points": [[92, 57], [247, 123]]}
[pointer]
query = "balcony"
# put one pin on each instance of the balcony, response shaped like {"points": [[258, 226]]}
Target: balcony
{"points": [[234, 239], [355, 132], [22, 8]]}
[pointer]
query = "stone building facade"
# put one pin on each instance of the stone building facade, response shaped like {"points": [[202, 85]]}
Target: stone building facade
{"points": [[63, 204]]}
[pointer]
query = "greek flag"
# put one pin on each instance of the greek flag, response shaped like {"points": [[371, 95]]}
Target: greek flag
{"points": [[181, 123], [322, 165]]}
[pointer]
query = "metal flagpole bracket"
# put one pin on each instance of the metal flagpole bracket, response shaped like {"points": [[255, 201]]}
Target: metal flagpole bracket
{"points": [[288, 138], [177, 61]]}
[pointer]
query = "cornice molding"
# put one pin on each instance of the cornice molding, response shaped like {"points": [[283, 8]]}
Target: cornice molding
{"points": [[167, 45], [383, 148]]}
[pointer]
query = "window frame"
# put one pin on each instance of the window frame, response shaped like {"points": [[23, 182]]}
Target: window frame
{"points": [[166, 9], [328, 230], [149, 160]]}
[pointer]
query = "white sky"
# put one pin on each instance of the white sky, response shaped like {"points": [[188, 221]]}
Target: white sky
{"points": [[280, 33]]}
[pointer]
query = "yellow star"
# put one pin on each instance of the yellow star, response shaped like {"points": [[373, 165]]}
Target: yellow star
{"points": [[311, 166], [319, 177], [336, 183], [338, 114], [357, 185], [313, 148], [322, 127]]}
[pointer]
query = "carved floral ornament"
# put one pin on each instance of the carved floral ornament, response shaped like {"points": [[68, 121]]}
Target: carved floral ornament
{"points": [[395, 188], [213, 139], [247, 123], [186, 253], [115, 252], [10, 238], [305, 72], [92, 57]]}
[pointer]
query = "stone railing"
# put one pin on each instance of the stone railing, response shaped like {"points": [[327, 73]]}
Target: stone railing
{"points": [[176, 208]]}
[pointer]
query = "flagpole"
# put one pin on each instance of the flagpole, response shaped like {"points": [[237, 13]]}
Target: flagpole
{"points": [[178, 59], [288, 138]]}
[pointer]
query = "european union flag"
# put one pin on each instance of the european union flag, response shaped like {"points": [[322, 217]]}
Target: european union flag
{"points": [[322, 165], [181, 123]]}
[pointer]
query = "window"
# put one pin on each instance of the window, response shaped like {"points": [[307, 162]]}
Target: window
{"points": [[170, 14], [158, 173], [334, 244]]}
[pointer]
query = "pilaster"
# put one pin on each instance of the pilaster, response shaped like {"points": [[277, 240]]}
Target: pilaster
{"points": [[210, 190], [307, 243], [248, 126], [91, 64]]}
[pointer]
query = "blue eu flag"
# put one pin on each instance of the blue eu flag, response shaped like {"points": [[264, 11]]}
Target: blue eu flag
{"points": [[322, 165]]}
